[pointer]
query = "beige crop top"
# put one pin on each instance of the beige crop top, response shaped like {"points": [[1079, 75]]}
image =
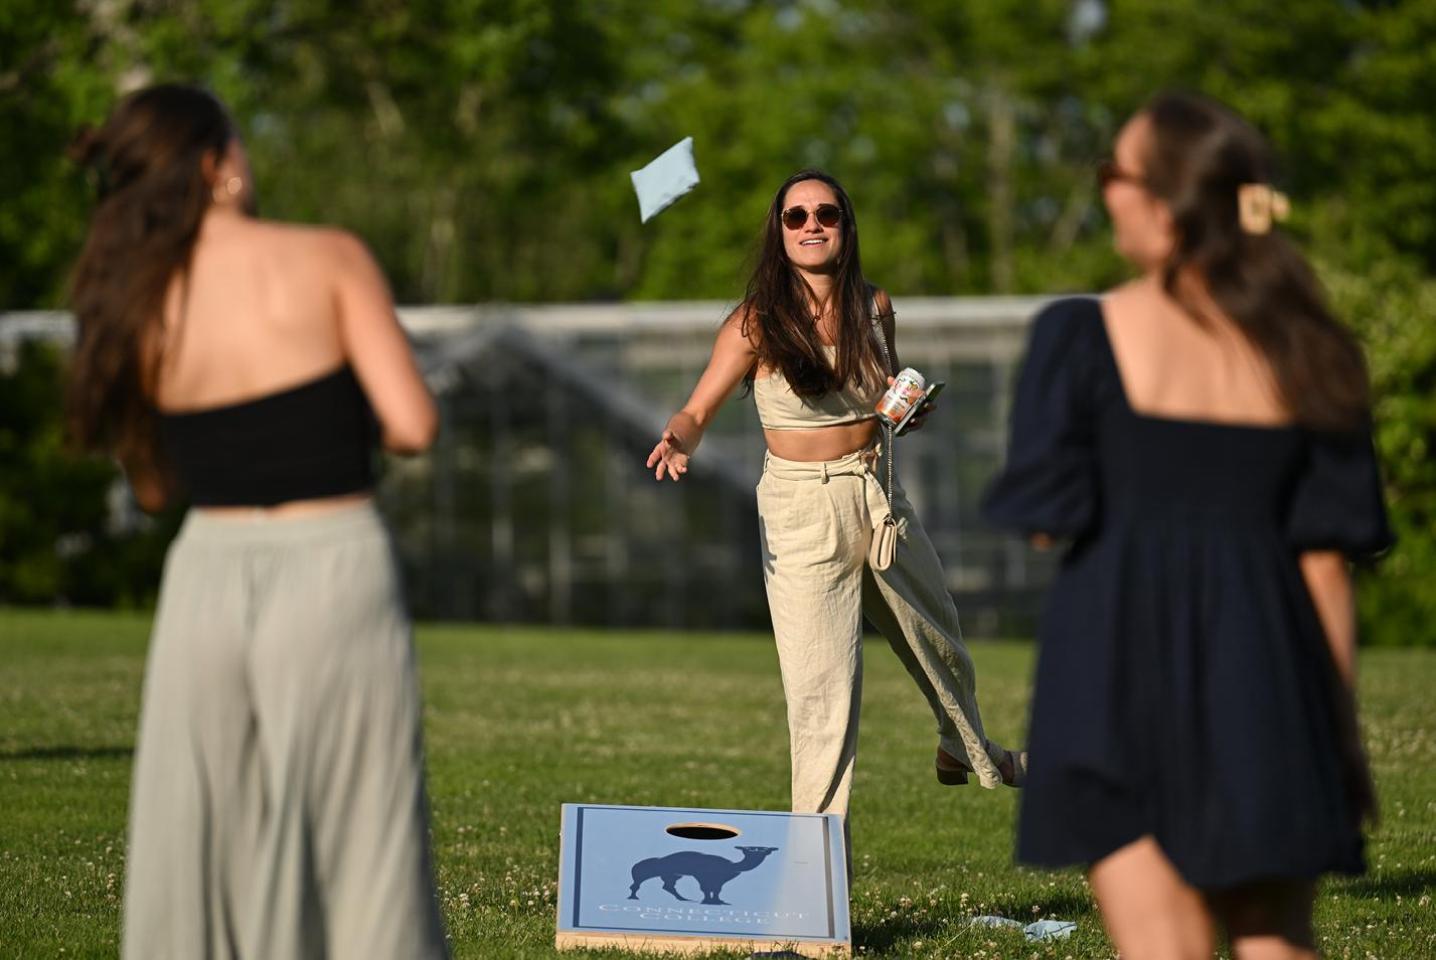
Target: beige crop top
{"points": [[779, 408]]}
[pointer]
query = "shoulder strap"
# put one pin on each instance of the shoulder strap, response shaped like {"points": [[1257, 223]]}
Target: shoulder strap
{"points": [[885, 534], [880, 334]]}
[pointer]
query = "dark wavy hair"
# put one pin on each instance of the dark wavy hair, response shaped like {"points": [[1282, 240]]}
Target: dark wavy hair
{"points": [[1200, 154], [780, 306], [148, 164]]}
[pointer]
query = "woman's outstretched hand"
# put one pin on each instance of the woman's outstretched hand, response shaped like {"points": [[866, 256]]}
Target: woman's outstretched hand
{"points": [[669, 457]]}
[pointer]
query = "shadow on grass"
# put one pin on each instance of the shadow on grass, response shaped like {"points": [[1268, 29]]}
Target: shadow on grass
{"points": [[67, 753], [879, 938], [884, 936], [1389, 885]]}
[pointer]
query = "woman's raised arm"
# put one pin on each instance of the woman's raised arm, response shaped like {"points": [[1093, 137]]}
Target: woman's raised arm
{"points": [[733, 355]]}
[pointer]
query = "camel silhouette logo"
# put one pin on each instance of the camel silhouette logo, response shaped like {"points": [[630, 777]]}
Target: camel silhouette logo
{"points": [[711, 871]]}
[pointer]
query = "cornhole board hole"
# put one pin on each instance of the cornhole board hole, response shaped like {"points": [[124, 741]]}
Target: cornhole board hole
{"points": [[681, 880]]}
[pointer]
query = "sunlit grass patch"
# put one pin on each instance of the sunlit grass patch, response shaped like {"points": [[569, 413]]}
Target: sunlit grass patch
{"points": [[519, 721]]}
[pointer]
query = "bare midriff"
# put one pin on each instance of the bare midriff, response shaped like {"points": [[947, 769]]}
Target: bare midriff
{"points": [[294, 508], [821, 443]]}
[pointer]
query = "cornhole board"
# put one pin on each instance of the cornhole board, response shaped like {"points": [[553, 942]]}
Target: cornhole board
{"points": [[683, 880]]}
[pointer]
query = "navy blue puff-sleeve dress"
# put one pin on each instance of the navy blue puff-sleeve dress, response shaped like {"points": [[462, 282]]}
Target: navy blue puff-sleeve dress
{"points": [[1184, 686]]}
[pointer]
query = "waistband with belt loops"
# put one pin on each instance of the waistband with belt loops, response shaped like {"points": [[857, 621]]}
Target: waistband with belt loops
{"points": [[858, 463], [861, 463]]}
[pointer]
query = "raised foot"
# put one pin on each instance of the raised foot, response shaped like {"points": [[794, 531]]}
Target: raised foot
{"points": [[1012, 768], [950, 771]]}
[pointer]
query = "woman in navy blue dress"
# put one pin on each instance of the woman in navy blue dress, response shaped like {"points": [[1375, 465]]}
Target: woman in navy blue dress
{"points": [[1200, 437]]}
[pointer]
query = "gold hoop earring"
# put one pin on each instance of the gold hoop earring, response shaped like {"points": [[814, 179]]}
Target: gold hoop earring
{"points": [[230, 190]]}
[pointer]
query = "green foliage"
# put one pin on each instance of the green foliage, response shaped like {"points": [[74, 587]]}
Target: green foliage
{"points": [[46, 84], [482, 146], [57, 539], [1392, 308]]}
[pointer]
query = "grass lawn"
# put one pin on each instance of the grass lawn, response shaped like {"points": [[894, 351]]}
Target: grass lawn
{"points": [[519, 721]]}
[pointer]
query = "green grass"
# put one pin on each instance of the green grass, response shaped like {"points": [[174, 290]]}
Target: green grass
{"points": [[519, 721]]}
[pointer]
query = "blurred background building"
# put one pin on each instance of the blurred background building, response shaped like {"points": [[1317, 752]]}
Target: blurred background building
{"points": [[535, 505]]}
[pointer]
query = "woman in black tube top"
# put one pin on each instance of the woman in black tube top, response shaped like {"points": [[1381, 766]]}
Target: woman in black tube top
{"points": [[249, 367], [1201, 437]]}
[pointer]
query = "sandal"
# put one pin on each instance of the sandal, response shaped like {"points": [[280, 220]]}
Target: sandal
{"points": [[1016, 762], [952, 772]]}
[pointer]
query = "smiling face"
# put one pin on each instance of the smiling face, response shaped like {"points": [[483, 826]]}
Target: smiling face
{"points": [[1142, 225], [812, 247]]}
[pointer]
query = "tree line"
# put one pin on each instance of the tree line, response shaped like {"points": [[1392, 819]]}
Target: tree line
{"points": [[482, 147]]}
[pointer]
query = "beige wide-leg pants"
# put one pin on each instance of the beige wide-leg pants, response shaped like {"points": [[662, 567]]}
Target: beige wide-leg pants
{"points": [[815, 523], [278, 808]]}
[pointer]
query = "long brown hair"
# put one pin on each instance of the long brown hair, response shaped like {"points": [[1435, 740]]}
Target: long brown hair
{"points": [[1201, 153], [148, 165], [779, 307]]}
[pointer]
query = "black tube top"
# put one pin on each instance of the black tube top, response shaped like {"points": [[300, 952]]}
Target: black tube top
{"points": [[313, 440]]}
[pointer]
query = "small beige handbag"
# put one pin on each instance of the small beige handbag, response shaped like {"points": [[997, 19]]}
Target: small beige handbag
{"points": [[885, 538]]}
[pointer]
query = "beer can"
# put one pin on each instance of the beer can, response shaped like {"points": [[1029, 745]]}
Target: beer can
{"points": [[907, 389]]}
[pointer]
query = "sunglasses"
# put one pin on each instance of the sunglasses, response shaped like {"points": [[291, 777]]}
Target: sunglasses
{"points": [[828, 214], [1109, 173]]}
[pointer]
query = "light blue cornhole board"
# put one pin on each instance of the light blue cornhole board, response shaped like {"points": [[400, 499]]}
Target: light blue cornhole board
{"points": [[624, 880]]}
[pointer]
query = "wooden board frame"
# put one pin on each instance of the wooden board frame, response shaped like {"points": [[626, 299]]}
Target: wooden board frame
{"points": [[811, 870]]}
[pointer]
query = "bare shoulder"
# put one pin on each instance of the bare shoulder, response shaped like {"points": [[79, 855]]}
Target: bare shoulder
{"points": [[1136, 318], [313, 242], [741, 326], [289, 245], [741, 315], [345, 244], [350, 258], [340, 246], [1121, 302]]}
